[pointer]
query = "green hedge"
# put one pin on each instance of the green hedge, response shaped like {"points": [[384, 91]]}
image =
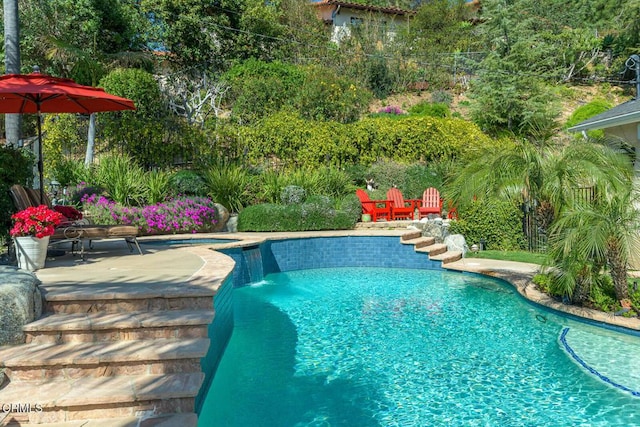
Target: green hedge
{"points": [[295, 141], [318, 213], [498, 222]]}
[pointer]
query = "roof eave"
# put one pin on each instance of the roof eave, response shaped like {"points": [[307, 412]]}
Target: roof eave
{"points": [[624, 119]]}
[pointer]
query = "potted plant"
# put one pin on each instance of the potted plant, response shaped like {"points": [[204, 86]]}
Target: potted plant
{"points": [[32, 228]]}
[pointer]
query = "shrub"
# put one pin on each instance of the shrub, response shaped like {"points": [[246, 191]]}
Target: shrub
{"points": [[317, 214], [333, 182], [587, 111], [122, 179], [187, 182], [441, 97], [430, 109], [229, 185], [293, 194], [496, 221], [179, 215], [419, 177], [16, 169], [157, 185]]}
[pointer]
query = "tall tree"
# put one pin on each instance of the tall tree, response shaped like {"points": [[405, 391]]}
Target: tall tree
{"points": [[12, 63]]}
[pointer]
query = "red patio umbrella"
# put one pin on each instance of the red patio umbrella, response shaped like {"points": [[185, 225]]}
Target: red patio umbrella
{"points": [[37, 93]]}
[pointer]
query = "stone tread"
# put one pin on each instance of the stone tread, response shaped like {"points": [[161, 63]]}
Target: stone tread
{"points": [[421, 242], [93, 353], [167, 420], [109, 321], [435, 249], [411, 235], [447, 257], [89, 391], [121, 291]]}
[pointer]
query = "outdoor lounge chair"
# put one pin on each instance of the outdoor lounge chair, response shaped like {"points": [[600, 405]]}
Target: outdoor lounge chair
{"points": [[73, 230], [431, 203], [376, 208], [401, 208]]}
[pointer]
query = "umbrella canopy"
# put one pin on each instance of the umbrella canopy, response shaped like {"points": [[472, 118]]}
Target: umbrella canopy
{"points": [[38, 93]]}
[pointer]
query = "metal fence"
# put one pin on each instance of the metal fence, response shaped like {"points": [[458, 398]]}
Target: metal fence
{"points": [[534, 224]]}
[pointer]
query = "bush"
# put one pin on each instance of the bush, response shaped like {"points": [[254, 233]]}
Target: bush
{"points": [[587, 111], [292, 195], [229, 185], [157, 187], [187, 182], [433, 110], [179, 215], [496, 221], [16, 169], [316, 214], [122, 179]]}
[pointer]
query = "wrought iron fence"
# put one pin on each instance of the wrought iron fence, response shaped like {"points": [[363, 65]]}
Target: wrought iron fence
{"points": [[534, 224]]}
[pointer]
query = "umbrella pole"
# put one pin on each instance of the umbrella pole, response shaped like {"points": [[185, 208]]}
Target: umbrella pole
{"points": [[40, 163]]}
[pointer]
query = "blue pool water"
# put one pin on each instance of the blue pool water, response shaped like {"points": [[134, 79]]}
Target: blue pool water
{"points": [[402, 347]]}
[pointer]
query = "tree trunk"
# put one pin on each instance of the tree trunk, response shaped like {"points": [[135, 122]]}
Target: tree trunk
{"points": [[618, 268], [91, 138], [12, 64]]}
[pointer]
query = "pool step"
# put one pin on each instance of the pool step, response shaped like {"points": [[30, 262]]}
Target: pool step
{"points": [[85, 327], [447, 257], [411, 235], [428, 245], [104, 397], [122, 297], [420, 242], [39, 362]]}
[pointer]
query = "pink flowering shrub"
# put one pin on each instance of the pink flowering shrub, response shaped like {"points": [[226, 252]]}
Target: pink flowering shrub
{"points": [[37, 221], [391, 109], [178, 215]]}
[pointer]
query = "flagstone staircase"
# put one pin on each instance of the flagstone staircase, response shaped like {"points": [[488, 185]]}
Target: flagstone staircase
{"points": [[114, 355], [428, 245]]}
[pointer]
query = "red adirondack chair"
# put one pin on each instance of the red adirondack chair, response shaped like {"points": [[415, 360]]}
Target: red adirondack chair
{"points": [[431, 203], [401, 208], [376, 208]]}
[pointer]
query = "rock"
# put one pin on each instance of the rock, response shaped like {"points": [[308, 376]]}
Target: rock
{"points": [[232, 224], [20, 303], [456, 242], [435, 229], [223, 217]]}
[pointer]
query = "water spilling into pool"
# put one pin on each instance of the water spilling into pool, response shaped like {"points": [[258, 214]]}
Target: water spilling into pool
{"points": [[395, 347]]}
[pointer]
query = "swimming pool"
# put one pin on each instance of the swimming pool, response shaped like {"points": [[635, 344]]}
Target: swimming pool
{"points": [[401, 347]]}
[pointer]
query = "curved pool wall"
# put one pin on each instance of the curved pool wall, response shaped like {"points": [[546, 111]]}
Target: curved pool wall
{"points": [[325, 252], [274, 256]]}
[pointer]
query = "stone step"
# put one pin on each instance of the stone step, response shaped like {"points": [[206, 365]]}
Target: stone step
{"points": [[422, 242], [164, 420], [32, 362], [101, 326], [447, 257], [410, 235], [435, 249], [122, 297], [105, 397]]}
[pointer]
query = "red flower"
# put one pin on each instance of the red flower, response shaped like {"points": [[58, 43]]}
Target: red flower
{"points": [[37, 221]]}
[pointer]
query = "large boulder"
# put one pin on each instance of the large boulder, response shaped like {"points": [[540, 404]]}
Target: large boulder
{"points": [[20, 303], [223, 217], [456, 242], [437, 228]]}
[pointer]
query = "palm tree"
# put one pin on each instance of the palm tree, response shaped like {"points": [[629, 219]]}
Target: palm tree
{"points": [[12, 63], [586, 235], [604, 233]]}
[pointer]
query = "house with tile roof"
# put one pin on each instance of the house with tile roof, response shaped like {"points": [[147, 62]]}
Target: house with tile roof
{"points": [[342, 16]]}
